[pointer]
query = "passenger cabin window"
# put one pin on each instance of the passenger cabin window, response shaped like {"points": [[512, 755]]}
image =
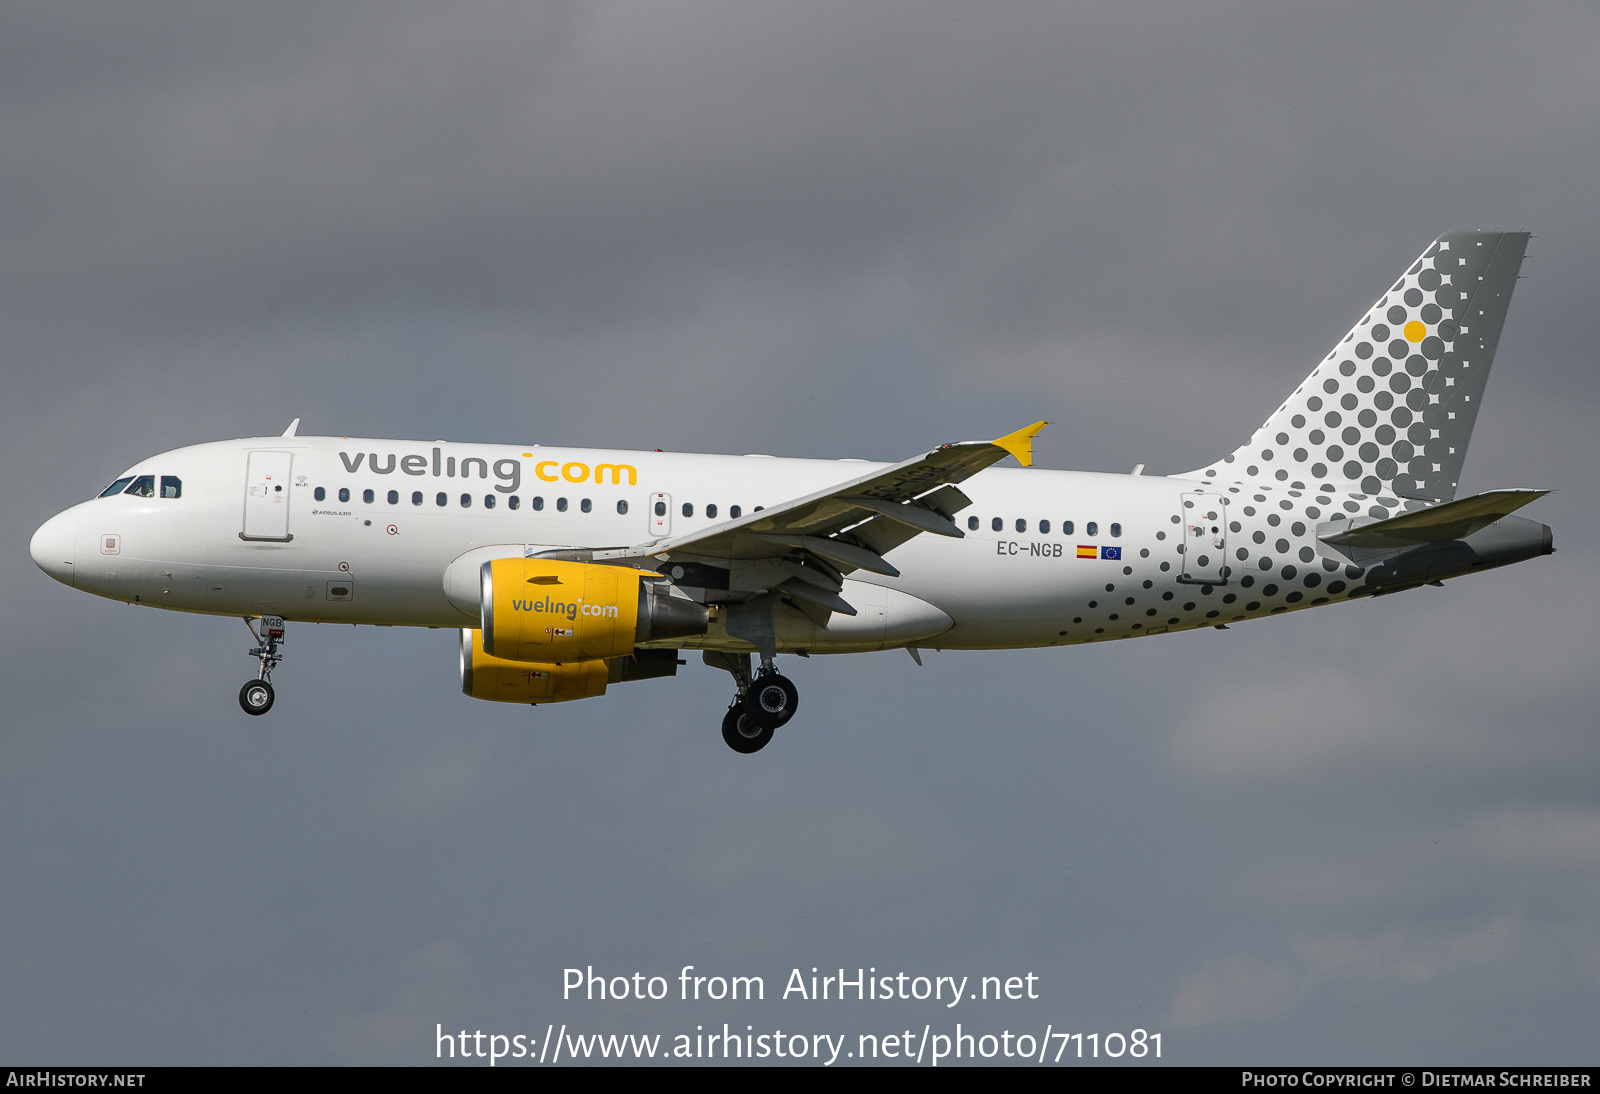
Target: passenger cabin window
{"points": [[319, 494], [1066, 527], [733, 511], [344, 493], [416, 497], [537, 503], [997, 524], [688, 508], [586, 505], [117, 487], [622, 507], [711, 511], [1044, 527], [143, 487], [368, 496], [561, 505], [1092, 528], [488, 501], [513, 502], [1116, 530], [972, 524], [441, 499], [394, 497], [466, 501], [171, 486], [1022, 525]]}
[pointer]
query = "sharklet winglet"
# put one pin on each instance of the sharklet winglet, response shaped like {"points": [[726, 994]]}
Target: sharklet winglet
{"points": [[1020, 443]]}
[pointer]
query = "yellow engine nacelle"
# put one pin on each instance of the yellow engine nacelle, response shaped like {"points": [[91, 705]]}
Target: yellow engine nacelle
{"points": [[487, 677], [484, 676], [554, 612]]}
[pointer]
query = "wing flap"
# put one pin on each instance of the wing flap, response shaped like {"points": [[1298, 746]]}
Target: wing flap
{"points": [[834, 550], [914, 516]]}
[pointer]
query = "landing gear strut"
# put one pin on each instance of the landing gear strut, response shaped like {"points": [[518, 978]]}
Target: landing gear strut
{"points": [[256, 696], [765, 701]]}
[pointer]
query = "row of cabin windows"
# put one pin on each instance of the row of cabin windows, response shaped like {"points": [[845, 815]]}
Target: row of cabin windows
{"points": [[144, 486], [585, 505], [442, 499], [734, 511], [1090, 528]]}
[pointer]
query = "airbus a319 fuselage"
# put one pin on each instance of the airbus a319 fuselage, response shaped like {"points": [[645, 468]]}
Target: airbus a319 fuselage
{"points": [[567, 569]]}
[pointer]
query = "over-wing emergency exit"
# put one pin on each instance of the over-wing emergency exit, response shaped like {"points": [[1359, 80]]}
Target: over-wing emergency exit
{"points": [[569, 570]]}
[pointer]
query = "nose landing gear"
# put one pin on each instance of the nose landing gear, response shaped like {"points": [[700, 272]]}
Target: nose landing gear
{"points": [[256, 696], [763, 703]]}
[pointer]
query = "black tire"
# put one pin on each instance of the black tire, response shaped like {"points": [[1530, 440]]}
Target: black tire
{"points": [[256, 697], [771, 700], [743, 733]]}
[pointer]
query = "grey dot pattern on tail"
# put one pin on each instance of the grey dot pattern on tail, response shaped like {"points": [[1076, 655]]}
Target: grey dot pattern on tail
{"points": [[1391, 409]]}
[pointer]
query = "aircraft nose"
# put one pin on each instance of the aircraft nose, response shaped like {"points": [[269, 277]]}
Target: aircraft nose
{"points": [[52, 546]]}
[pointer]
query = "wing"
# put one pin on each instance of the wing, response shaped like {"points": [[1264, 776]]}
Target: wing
{"points": [[803, 547]]}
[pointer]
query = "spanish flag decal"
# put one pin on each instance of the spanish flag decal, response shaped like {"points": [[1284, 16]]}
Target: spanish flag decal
{"points": [[1087, 552]]}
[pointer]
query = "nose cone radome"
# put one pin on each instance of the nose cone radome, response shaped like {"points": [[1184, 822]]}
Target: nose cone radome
{"points": [[52, 546]]}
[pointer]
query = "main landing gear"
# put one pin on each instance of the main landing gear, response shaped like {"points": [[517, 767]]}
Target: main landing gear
{"points": [[256, 696], [763, 702]]}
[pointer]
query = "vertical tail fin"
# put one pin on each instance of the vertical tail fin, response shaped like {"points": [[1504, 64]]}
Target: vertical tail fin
{"points": [[1391, 409]]}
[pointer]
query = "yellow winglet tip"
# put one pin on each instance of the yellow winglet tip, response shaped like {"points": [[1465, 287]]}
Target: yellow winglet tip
{"points": [[1020, 443]]}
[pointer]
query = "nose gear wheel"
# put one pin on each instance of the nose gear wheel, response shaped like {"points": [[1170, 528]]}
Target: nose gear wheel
{"points": [[256, 697]]}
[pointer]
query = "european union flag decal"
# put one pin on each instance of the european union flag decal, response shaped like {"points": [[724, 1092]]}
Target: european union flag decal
{"points": [[1111, 552]]}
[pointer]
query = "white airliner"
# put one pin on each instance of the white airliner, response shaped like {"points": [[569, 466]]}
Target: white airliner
{"points": [[566, 570]]}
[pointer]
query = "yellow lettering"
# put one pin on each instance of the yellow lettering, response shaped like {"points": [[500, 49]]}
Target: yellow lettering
{"points": [[538, 469], [581, 475], [616, 470]]}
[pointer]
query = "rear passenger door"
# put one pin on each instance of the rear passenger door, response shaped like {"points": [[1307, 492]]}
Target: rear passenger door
{"points": [[1205, 538]]}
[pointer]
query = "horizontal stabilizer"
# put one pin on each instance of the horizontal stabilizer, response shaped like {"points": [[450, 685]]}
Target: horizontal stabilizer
{"points": [[1452, 520]]}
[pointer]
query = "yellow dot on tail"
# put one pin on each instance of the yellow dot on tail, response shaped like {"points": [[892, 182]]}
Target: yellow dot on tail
{"points": [[1415, 331]]}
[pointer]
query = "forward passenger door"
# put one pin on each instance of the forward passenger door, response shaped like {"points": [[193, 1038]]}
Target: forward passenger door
{"points": [[266, 496]]}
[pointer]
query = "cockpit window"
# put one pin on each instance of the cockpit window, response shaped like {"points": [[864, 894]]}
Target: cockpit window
{"points": [[117, 487], [143, 487], [171, 486]]}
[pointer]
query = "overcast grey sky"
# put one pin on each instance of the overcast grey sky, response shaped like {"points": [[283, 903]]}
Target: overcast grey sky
{"points": [[1362, 835]]}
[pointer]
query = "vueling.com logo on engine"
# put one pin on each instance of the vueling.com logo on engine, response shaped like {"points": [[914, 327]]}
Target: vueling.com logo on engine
{"points": [[571, 611]]}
